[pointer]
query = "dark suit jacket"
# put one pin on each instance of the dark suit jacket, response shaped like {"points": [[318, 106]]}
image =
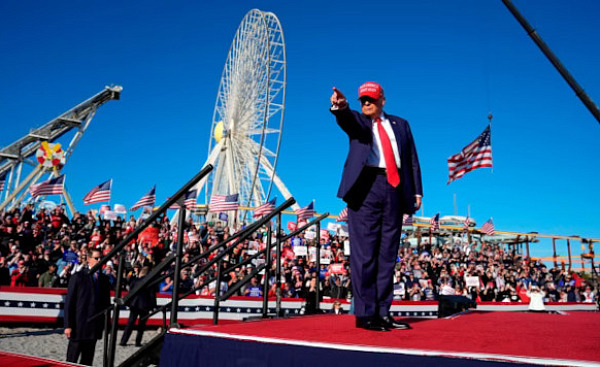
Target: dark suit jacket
{"points": [[359, 129], [81, 304], [146, 299]]}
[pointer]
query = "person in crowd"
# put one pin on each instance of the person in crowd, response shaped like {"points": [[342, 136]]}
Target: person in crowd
{"points": [[20, 276], [88, 295], [140, 306], [536, 299], [166, 286], [49, 279], [253, 289], [337, 309], [381, 180]]}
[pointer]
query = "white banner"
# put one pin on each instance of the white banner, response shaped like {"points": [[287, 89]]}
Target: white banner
{"points": [[300, 250], [332, 226], [343, 230], [120, 209], [310, 235], [472, 281], [110, 215]]}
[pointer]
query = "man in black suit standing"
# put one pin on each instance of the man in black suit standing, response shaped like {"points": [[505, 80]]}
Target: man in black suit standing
{"points": [[140, 306], [87, 295], [381, 180]]}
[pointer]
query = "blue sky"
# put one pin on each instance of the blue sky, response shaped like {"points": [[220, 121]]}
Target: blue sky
{"points": [[444, 66]]}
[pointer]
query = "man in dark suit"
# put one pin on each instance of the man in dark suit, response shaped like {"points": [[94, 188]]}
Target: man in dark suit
{"points": [[140, 306], [87, 295], [381, 180]]}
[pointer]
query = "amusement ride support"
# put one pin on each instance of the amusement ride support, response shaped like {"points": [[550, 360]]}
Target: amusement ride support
{"points": [[23, 150], [587, 101]]}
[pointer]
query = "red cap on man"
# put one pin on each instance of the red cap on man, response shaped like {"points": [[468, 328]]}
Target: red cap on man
{"points": [[370, 89]]}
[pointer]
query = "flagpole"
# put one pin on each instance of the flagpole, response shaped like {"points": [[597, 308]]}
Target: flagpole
{"points": [[490, 123], [455, 207]]}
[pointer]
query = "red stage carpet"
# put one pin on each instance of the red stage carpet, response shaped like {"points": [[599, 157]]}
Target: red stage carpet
{"points": [[20, 360], [528, 338]]}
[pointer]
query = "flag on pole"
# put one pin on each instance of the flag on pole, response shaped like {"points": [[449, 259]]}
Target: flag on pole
{"points": [[407, 220], [306, 212], [435, 222], [189, 200], [488, 227], [478, 154], [265, 208], [148, 199], [467, 223], [99, 193], [53, 186], [343, 216], [3, 180], [222, 203]]}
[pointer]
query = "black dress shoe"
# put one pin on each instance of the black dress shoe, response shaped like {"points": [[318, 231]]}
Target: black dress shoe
{"points": [[370, 323], [391, 323]]}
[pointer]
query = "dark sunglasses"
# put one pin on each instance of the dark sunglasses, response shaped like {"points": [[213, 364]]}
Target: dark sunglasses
{"points": [[364, 100], [96, 258]]}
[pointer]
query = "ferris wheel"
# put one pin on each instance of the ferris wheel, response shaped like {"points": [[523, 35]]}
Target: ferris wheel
{"points": [[247, 121]]}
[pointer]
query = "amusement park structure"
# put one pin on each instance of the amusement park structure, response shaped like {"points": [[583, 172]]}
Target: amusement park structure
{"points": [[248, 116], [40, 149]]}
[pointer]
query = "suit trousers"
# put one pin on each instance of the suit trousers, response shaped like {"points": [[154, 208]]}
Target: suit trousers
{"points": [[83, 348], [375, 228], [134, 313]]}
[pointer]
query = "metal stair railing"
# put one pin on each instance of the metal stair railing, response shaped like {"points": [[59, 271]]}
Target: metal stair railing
{"points": [[238, 237], [119, 249]]}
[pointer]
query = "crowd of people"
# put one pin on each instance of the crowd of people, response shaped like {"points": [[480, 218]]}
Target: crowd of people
{"points": [[44, 248]]}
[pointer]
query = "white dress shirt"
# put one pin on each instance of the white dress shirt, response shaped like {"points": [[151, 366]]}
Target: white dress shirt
{"points": [[376, 158]]}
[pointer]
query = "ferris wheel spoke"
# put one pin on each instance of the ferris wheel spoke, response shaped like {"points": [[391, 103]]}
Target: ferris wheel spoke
{"points": [[249, 110]]}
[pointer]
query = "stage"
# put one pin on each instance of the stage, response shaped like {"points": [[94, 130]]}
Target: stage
{"points": [[475, 338]]}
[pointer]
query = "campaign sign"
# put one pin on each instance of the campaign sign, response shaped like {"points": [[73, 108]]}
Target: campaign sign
{"points": [[149, 235], [300, 250], [337, 268], [472, 281], [110, 215]]}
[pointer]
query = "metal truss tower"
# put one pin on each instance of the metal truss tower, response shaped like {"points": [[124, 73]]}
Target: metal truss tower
{"points": [[22, 151]]}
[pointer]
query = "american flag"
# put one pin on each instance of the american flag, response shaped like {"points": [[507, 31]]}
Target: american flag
{"points": [[2, 180], [343, 216], [435, 222], [407, 220], [306, 212], [265, 208], [478, 154], [488, 227], [99, 193], [148, 199], [189, 200], [223, 203], [466, 224], [53, 186]]}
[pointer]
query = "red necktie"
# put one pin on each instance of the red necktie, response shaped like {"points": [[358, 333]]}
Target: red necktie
{"points": [[393, 176]]}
